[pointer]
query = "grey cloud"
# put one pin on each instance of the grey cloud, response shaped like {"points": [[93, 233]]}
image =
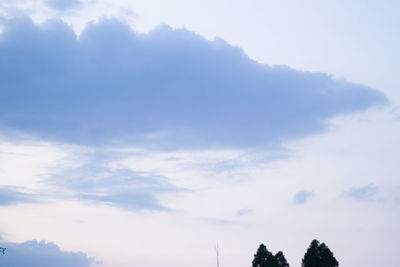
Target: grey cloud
{"points": [[302, 196], [41, 254], [167, 88]]}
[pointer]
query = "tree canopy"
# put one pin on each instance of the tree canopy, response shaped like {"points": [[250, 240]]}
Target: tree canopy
{"points": [[264, 258], [319, 255]]}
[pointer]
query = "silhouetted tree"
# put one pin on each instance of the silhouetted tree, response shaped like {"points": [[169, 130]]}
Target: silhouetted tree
{"points": [[311, 258], [261, 256], [327, 258], [319, 255], [264, 258], [281, 260]]}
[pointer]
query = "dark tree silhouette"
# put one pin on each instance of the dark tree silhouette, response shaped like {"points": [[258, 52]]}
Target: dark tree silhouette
{"points": [[264, 258], [312, 255], [281, 260], [2, 250], [319, 255], [261, 257]]}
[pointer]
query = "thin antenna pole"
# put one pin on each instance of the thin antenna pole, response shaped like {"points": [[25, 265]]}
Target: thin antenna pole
{"points": [[217, 256]]}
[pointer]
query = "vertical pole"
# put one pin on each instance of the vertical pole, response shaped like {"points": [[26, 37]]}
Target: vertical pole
{"points": [[217, 256]]}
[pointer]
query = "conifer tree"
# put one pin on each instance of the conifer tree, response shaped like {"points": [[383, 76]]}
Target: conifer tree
{"points": [[319, 255], [264, 258], [281, 260]]}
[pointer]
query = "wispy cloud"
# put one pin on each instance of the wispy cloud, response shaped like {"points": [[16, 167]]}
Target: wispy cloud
{"points": [[168, 88], [367, 192], [12, 195], [244, 211], [218, 221], [95, 182]]}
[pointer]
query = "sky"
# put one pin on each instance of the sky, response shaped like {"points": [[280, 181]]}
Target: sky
{"points": [[144, 133]]}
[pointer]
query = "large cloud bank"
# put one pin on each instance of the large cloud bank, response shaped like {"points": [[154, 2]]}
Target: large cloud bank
{"points": [[169, 88]]}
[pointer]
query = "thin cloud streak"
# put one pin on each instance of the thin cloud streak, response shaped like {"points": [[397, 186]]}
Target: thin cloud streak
{"points": [[12, 196], [363, 193], [95, 182]]}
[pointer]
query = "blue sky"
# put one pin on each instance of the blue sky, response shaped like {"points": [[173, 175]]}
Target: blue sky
{"points": [[145, 126]]}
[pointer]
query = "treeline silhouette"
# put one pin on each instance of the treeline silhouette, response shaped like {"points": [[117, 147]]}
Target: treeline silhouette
{"points": [[317, 255]]}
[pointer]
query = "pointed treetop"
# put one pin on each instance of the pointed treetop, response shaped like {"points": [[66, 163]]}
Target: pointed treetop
{"points": [[319, 255], [264, 258]]}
